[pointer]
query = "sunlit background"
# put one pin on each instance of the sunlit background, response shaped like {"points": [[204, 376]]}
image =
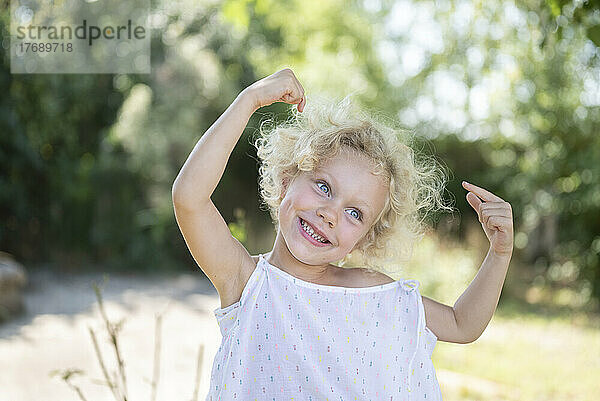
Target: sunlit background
{"points": [[505, 94]]}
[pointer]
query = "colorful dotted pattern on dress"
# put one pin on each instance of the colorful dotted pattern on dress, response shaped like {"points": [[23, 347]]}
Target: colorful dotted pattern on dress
{"points": [[289, 339]]}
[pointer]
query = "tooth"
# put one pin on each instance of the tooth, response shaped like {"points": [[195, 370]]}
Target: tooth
{"points": [[309, 230]]}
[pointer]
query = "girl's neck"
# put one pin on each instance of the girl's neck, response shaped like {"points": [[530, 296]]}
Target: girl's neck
{"points": [[281, 257]]}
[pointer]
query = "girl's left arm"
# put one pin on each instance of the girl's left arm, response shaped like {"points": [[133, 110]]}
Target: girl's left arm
{"points": [[474, 308], [469, 317]]}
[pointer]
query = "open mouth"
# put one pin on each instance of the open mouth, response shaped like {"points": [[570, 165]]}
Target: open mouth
{"points": [[310, 234]]}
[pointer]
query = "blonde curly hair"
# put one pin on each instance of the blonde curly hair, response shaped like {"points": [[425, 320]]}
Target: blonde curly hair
{"points": [[305, 140]]}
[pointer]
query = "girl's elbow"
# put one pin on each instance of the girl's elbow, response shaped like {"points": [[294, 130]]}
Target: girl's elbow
{"points": [[465, 337], [472, 338]]}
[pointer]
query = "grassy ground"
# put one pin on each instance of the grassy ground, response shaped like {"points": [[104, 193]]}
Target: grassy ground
{"points": [[524, 358]]}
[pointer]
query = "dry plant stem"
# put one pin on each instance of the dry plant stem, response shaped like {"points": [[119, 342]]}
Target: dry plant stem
{"points": [[198, 372], [113, 333], [77, 390], [66, 376], [121, 365], [109, 382], [157, 330], [114, 339]]}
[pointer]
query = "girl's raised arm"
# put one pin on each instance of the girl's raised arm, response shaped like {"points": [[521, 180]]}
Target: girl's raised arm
{"points": [[222, 258]]}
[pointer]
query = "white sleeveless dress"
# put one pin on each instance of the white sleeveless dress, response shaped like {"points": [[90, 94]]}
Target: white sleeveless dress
{"points": [[289, 339]]}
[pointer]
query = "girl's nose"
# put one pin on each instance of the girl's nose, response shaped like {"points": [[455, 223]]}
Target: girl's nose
{"points": [[328, 214]]}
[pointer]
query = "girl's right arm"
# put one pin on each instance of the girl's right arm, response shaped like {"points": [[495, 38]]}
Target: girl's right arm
{"points": [[222, 258]]}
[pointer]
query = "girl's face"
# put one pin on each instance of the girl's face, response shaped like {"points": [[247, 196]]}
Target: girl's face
{"points": [[339, 201]]}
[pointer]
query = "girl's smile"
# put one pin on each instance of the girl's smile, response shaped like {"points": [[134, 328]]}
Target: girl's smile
{"points": [[312, 234]]}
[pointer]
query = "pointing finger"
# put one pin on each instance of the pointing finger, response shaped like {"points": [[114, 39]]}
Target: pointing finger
{"points": [[484, 194]]}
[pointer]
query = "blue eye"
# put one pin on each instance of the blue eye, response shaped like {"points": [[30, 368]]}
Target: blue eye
{"points": [[324, 185], [357, 214]]}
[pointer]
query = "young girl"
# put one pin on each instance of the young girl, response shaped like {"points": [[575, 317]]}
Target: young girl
{"points": [[295, 324]]}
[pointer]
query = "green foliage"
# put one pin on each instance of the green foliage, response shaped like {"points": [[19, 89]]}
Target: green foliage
{"points": [[238, 228], [504, 94], [564, 12], [536, 123], [88, 161], [593, 32]]}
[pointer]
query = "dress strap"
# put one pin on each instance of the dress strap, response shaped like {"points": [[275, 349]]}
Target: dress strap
{"points": [[410, 285], [261, 261]]}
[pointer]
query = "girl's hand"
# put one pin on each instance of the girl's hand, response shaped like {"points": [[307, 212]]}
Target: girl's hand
{"points": [[495, 216], [279, 87]]}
